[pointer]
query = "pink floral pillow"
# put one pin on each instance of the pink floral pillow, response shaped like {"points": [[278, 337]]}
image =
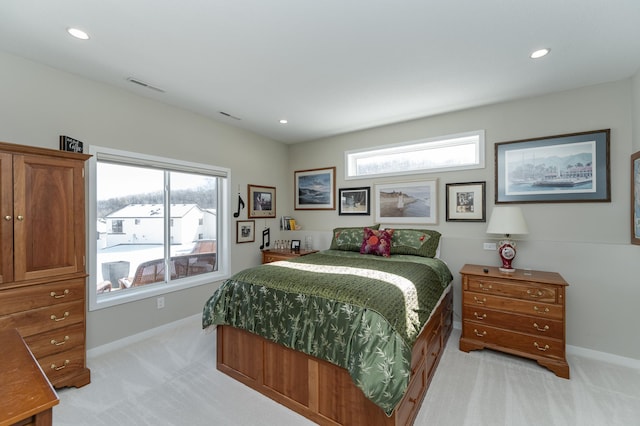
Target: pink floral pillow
{"points": [[377, 242]]}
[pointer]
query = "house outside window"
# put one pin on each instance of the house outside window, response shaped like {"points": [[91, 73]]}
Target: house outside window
{"points": [[159, 242]]}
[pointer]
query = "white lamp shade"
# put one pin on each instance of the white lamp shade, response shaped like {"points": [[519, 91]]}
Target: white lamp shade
{"points": [[507, 220]]}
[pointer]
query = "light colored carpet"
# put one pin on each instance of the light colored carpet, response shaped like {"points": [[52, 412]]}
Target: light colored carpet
{"points": [[171, 379]]}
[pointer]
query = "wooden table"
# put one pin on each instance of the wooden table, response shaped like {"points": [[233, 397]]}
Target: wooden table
{"points": [[26, 396]]}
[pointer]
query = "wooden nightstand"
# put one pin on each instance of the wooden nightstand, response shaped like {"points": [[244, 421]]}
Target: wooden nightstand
{"points": [[269, 256], [521, 313]]}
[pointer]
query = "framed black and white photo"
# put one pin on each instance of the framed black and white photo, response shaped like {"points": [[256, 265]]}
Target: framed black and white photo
{"points": [[354, 201], [245, 231], [407, 202], [295, 245], [466, 202], [315, 189], [262, 201], [564, 168]]}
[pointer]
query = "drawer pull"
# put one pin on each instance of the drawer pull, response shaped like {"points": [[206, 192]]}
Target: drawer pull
{"points": [[483, 288], [56, 343], [540, 310], [478, 301], [537, 293], [480, 317], [540, 348], [64, 317], [484, 333], [54, 367], [537, 327], [7, 218], [59, 296]]}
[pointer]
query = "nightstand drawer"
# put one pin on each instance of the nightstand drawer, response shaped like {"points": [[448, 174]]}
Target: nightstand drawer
{"points": [[533, 345], [545, 310], [520, 290], [525, 324]]}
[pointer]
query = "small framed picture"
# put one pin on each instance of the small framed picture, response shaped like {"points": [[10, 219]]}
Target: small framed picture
{"points": [[466, 202], [407, 202], [354, 201], [262, 201], [295, 245], [245, 231], [635, 198], [70, 144]]}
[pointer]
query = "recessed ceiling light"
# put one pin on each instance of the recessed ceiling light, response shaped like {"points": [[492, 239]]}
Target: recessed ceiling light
{"points": [[540, 53], [78, 33], [284, 121]]}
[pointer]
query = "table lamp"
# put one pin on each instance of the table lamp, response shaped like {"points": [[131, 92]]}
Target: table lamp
{"points": [[507, 221]]}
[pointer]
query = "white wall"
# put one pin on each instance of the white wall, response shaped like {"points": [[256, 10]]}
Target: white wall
{"points": [[39, 103], [587, 243], [636, 111]]}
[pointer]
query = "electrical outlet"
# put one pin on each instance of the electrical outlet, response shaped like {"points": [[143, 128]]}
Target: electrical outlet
{"points": [[160, 302], [489, 246]]}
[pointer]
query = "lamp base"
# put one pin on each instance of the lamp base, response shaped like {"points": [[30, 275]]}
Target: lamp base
{"points": [[507, 252], [506, 271]]}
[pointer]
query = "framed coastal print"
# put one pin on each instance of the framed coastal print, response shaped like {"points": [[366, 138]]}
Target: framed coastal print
{"points": [[245, 231], [407, 202], [635, 198], [262, 201], [565, 168], [354, 201], [466, 202], [315, 189]]}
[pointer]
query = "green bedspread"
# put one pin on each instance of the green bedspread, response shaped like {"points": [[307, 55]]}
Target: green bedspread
{"points": [[360, 312]]}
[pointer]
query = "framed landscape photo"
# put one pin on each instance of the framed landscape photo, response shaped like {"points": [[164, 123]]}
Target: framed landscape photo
{"points": [[635, 198], [315, 189], [466, 202], [245, 231], [354, 201], [565, 168], [262, 201], [407, 202]]}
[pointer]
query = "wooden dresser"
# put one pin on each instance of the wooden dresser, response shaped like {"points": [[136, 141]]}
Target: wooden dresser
{"points": [[42, 248], [522, 313], [269, 256], [26, 396]]}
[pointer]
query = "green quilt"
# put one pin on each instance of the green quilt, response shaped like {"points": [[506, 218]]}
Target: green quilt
{"points": [[360, 312]]}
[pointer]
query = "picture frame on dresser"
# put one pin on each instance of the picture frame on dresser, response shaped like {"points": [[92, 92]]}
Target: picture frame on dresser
{"points": [[635, 198], [466, 202], [567, 168]]}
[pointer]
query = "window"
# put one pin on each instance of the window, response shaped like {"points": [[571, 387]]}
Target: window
{"points": [[160, 226], [452, 152]]}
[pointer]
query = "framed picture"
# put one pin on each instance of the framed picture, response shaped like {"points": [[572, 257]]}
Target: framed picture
{"points": [[407, 202], [635, 198], [354, 201], [555, 169], [466, 202], [245, 231], [262, 201], [295, 245], [315, 189]]}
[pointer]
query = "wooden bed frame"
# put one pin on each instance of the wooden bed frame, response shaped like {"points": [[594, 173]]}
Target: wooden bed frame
{"points": [[324, 392]]}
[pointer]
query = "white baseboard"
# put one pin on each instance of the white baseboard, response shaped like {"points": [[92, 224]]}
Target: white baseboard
{"points": [[590, 353], [134, 338]]}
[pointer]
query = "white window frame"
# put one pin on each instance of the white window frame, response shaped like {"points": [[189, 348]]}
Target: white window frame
{"points": [[144, 292], [476, 136]]}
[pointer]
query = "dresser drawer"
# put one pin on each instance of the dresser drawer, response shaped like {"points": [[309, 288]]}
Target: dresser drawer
{"points": [[505, 340], [516, 322], [521, 289], [45, 319], [37, 296], [62, 364], [526, 307], [55, 341]]}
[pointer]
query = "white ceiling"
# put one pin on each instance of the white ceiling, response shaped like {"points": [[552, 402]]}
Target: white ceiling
{"points": [[329, 66]]}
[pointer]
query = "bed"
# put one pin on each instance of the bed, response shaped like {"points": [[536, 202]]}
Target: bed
{"points": [[351, 335]]}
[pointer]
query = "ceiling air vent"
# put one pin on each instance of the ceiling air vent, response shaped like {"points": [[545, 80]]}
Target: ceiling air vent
{"points": [[143, 84]]}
